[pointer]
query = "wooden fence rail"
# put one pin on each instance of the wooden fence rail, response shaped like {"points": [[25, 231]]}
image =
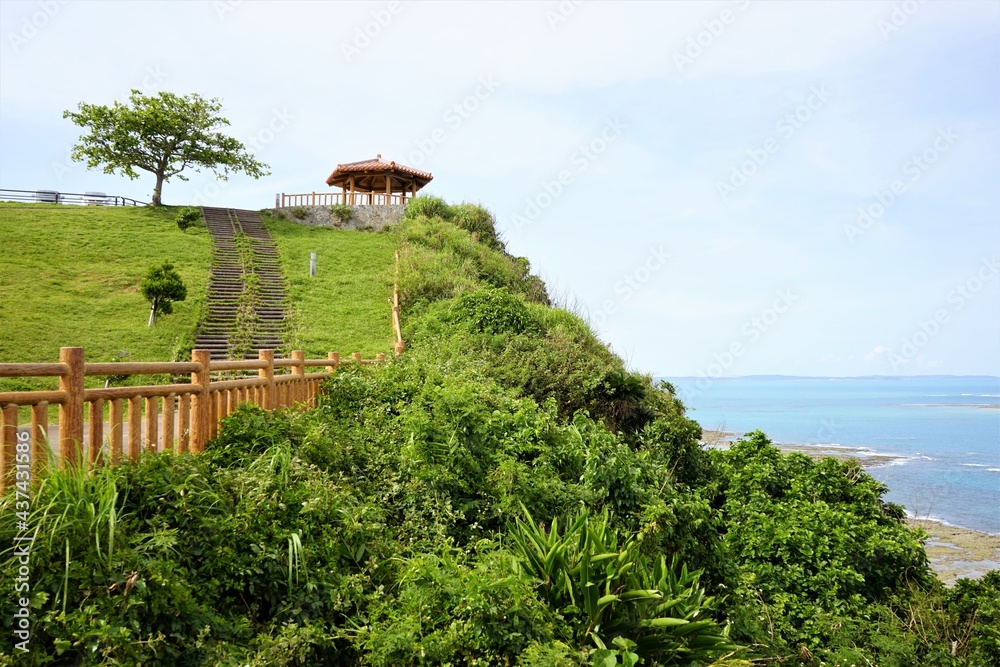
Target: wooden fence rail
{"points": [[283, 200], [176, 418]]}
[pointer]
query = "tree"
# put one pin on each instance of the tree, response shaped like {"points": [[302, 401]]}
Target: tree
{"points": [[161, 288], [162, 134]]}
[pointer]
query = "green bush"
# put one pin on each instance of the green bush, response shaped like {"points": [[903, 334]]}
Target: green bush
{"points": [[342, 213], [815, 543], [428, 206], [479, 222], [494, 311], [451, 612], [188, 216]]}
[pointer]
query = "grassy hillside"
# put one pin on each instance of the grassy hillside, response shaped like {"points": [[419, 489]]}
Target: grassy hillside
{"points": [[344, 307], [70, 276]]}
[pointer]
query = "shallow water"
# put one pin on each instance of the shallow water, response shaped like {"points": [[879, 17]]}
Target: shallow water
{"points": [[942, 432]]}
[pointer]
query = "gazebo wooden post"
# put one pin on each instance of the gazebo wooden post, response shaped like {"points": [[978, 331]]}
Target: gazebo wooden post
{"points": [[388, 189], [351, 183]]}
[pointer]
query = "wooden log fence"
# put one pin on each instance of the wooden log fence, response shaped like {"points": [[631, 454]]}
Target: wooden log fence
{"points": [[177, 418], [283, 200]]}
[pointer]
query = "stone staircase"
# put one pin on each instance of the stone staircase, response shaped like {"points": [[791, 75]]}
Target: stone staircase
{"points": [[220, 324]]}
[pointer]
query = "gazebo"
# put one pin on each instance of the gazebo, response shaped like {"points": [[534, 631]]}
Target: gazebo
{"points": [[377, 182]]}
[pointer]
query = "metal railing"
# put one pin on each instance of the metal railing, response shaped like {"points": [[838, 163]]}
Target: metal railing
{"points": [[54, 197]]}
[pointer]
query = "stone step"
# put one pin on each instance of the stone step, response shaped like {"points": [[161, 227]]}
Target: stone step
{"points": [[226, 282]]}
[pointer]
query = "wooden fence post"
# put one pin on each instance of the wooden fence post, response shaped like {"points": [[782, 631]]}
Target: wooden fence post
{"points": [[200, 409], [71, 409], [335, 358], [298, 386], [357, 357], [380, 357], [9, 438], [41, 453], [267, 373]]}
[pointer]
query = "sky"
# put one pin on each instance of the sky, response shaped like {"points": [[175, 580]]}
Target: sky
{"points": [[723, 189]]}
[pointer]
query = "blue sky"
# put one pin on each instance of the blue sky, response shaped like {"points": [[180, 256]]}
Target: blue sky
{"points": [[690, 176]]}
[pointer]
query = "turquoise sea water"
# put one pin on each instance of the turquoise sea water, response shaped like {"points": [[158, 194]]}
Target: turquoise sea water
{"points": [[943, 432]]}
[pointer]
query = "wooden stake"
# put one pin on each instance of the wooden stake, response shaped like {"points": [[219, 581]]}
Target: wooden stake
{"points": [[267, 373], [115, 428], [71, 409], [200, 410]]}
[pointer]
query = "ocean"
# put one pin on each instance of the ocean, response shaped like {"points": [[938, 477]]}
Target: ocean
{"points": [[933, 440]]}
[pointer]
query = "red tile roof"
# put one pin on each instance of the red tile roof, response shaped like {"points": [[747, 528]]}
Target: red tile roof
{"points": [[378, 166]]}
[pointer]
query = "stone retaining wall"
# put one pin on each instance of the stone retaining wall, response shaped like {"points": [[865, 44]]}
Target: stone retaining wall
{"points": [[368, 218]]}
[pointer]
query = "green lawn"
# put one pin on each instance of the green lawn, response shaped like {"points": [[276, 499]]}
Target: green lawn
{"points": [[70, 275], [345, 308]]}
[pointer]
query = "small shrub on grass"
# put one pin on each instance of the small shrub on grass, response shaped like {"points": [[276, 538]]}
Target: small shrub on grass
{"points": [[300, 213], [189, 216]]}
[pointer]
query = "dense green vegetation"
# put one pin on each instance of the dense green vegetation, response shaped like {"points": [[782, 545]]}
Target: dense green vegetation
{"points": [[506, 493], [344, 307], [72, 276]]}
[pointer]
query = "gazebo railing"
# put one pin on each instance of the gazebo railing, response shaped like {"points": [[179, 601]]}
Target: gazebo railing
{"points": [[283, 200]]}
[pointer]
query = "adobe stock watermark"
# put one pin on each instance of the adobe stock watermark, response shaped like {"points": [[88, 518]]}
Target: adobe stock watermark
{"points": [[713, 29], [278, 123], [751, 332], [562, 12], [152, 79], [223, 7], [898, 17], [581, 160], [828, 426], [928, 329], [913, 168], [454, 116], [22, 543], [363, 35], [631, 284], [34, 23], [786, 127]]}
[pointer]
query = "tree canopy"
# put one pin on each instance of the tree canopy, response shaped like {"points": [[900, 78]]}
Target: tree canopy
{"points": [[163, 134]]}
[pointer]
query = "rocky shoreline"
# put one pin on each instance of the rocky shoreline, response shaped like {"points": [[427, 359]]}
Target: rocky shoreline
{"points": [[958, 553]]}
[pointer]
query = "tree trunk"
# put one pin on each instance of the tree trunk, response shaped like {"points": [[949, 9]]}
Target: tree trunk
{"points": [[158, 190], [152, 313]]}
